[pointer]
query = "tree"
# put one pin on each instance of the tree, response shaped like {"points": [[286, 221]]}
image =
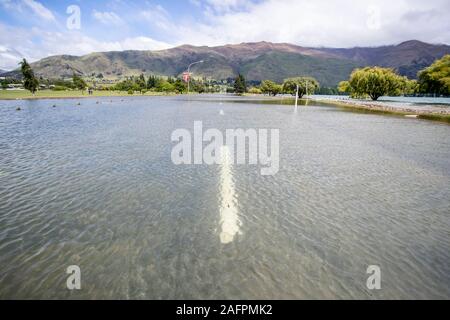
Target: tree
{"points": [[142, 83], [407, 86], [306, 85], [240, 85], [255, 90], [78, 82], [271, 88], [344, 87], [436, 78], [30, 83], [165, 86], [152, 82], [180, 86], [374, 82]]}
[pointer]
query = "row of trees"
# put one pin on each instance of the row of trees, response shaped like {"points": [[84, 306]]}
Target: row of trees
{"points": [[131, 84], [306, 85], [376, 82], [159, 84]]}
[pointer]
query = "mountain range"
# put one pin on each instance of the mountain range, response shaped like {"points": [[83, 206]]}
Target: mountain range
{"points": [[256, 61]]}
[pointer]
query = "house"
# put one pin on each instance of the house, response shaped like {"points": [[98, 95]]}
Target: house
{"points": [[15, 86]]}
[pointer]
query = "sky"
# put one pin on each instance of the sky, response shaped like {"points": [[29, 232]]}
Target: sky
{"points": [[35, 29]]}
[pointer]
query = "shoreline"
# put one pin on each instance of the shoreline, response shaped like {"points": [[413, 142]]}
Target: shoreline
{"points": [[439, 114], [57, 95]]}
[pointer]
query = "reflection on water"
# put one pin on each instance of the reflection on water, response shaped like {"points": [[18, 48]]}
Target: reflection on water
{"points": [[95, 186], [229, 219]]}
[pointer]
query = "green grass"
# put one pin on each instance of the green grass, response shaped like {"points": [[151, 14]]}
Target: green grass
{"points": [[50, 94]]}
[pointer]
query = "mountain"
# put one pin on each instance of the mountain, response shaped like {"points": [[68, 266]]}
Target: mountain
{"points": [[2, 71], [407, 58], [257, 61]]}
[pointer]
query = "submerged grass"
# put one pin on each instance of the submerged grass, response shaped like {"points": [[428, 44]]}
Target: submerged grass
{"points": [[436, 117]]}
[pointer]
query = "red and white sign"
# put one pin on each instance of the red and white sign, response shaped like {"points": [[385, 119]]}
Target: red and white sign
{"points": [[186, 76]]}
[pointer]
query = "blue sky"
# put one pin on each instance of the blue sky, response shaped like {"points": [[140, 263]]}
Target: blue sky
{"points": [[38, 28]]}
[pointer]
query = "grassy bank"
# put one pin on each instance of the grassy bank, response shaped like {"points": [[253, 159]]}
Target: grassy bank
{"points": [[50, 94]]}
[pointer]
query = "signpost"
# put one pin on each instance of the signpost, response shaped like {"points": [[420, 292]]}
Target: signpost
{"points": [[187, 75]]}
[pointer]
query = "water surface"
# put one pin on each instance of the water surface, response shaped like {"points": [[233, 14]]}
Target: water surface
{"points": [[93, 185]]}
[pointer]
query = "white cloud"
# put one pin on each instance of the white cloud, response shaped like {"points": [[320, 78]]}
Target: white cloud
{"points": [[143, 43], [21, 6], [342, 23], [158, 17], [22, 45], [196, 3], [222, 6], [108, 18], [39, 9]]}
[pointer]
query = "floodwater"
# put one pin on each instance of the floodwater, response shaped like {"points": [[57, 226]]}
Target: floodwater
{"points": [[436, 105], [94, 186]]}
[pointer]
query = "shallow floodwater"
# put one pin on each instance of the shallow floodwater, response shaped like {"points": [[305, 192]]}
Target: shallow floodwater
{"points": [[94, 186], [413, 103]]}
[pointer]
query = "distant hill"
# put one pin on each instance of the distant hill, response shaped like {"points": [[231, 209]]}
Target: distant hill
{"points": [[407, 58], [257, 61]]}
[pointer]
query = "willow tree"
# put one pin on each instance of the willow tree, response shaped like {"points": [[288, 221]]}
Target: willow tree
{"points": [[271, 88], [374, 82], [30, 82], [306, 85], [436, 78]]}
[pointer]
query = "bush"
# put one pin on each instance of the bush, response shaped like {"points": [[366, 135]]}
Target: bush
{"points": [[255, 90]]}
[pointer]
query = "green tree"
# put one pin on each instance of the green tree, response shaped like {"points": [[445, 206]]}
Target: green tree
{"points": [[78, 82], [436, 78], [30, 83], [374, 82], [407, 86], [180, 86], [344, 87], [165, 86], [271, 88], [152, 82], [142, 83], [240, 85], [255, 90], [306, 85]]}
